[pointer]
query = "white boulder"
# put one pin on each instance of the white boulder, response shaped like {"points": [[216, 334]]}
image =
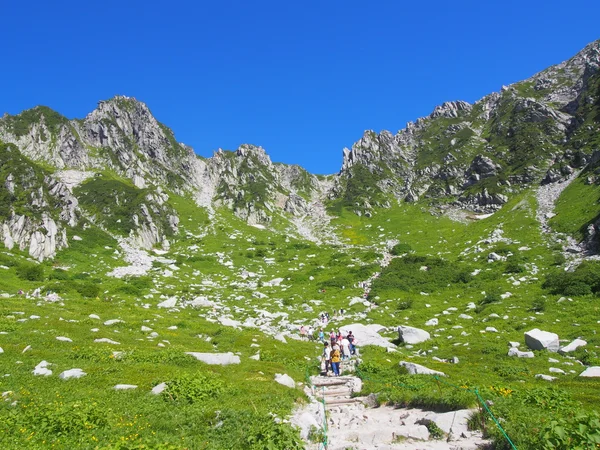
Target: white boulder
{"points": [[571, 347], [72, 373], [42, 369], [417, 369], [539, 340], [367, 335], [591, 372], [285, 380], [124, 387], [412, 335], [159, 388], [513, 351], [220, 359], [106, 341]]}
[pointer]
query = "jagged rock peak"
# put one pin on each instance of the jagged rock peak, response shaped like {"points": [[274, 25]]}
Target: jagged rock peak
{"points": [[246, 150], [451, 109]]}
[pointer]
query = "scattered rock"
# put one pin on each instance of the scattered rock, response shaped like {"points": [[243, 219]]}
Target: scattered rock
{"points": [[124, 387], [411, 335], [417, 369], [513, 351], [285, 380], [72, 373], [42, 369], [539, 340], [112, 322], [106, 341], [545, 377], [159, 388], [593, 371], [63, 339], [220, 359], [571, 347]]}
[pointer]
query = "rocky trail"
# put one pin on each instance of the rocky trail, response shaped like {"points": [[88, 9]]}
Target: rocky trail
{"points": [[359, 423], [546, 196]]}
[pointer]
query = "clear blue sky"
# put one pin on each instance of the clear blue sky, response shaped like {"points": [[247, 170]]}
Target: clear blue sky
{"points": [[301, 78]]}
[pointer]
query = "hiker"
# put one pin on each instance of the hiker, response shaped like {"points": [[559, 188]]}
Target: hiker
{"points": [[335, 360], [302, 332], [351, 339], [310, 333], [345, 349], [321, 335], [327, 356]]}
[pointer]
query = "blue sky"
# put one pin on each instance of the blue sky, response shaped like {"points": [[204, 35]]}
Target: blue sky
{"points": [[302, 79]]}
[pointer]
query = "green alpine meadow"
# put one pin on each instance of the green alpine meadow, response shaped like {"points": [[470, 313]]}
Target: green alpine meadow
{"points": [[151, 298]]}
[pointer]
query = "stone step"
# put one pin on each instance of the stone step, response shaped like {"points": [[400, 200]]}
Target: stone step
{"points": [[331, 392], [341, 401]]}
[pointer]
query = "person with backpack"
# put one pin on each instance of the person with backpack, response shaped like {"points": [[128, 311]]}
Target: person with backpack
{"points": [[335, 360]]}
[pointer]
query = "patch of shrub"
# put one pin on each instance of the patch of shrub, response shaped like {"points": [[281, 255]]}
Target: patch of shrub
{"points": [[193, 388], [400, 249], [30, 272], [88, 290], [538, 305], [415, 273], [59, 274], [584, 280]]}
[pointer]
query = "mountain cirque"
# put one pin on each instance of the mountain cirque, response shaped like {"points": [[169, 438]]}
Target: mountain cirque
{"points": [[464, 245]]}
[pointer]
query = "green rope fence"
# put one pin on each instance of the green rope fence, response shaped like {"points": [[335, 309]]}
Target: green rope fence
{"points": [[323, 444], [475, 392]]}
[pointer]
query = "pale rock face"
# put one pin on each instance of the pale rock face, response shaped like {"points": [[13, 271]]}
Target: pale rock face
{"points": [[539, 340]]}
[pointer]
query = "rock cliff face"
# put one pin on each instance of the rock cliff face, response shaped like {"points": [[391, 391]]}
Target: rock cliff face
{"points": [[118, 167], [479, 154]]}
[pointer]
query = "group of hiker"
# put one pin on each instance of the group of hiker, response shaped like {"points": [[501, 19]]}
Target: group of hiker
{"points": [[336, 348]]}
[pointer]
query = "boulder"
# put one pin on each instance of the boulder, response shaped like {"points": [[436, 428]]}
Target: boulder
{"points": [[539, 340], [42, 369], [305, 421], [72, 373], [285, 380], [432, 322], [159, 388], [367, 335], [513, 351], [571, 347], [541, 376], [220, 359], [112, 322], [106, 341], [411, 335], [591, 372], [417, 369]]}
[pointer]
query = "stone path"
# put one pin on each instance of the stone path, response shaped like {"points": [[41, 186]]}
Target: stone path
{"points": [[352, 424]]}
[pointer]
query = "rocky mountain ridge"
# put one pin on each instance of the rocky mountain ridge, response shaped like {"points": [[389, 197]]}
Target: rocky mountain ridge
{"points": [[118, 167]]}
